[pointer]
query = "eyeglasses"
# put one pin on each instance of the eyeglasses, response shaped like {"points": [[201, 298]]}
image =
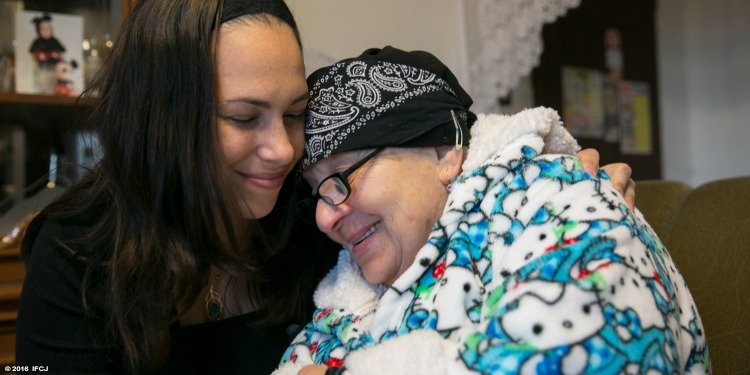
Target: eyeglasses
{"points": [[334, 189]]}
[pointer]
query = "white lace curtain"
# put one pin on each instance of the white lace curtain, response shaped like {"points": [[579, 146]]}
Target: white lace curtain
{"points": [[509, 45]]}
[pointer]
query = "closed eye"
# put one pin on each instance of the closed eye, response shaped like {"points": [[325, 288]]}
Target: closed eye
{"points": [[241, 121]]}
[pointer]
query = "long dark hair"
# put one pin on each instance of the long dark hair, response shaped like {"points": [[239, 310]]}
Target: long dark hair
{"points": [[167, 214]]}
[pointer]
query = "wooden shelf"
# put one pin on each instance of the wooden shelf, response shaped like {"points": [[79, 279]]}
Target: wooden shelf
{"points": [[7, 359], [14, 98]]}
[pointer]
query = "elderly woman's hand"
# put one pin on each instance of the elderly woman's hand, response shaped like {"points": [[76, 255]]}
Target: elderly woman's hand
{"points": [[619, 174], [313, 370]]}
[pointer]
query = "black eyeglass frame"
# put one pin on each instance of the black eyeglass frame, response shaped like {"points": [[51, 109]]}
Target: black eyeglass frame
{"points": [[343, 178]]}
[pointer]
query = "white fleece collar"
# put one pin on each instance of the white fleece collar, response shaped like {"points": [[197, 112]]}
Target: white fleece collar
{"points": [[492, 132]]}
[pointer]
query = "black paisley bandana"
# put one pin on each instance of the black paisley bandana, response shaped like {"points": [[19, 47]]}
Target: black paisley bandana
{"points": [[384, 97]]}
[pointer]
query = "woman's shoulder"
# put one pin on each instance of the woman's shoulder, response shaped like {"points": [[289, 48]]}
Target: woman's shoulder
{"points": [[63, 235]]}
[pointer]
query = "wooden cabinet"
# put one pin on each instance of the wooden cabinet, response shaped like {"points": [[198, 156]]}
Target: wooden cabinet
{"points": [[37, 133], [11, 279]]}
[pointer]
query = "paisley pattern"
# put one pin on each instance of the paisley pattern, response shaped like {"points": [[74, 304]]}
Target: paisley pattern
{"points": [[534, 267], [353, 93]]}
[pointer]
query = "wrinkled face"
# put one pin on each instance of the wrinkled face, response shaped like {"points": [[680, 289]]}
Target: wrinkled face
{"points": [[395, 200], [262, 99]]}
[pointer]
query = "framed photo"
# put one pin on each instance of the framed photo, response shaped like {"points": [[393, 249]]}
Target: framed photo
{"points": [[49, 53], [635, 118], [583, 108]]}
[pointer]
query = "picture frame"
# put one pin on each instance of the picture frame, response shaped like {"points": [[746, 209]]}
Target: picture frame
{"points": [[49, 53]]}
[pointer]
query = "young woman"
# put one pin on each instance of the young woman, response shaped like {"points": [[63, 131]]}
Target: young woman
{"points": [[156, 261]]}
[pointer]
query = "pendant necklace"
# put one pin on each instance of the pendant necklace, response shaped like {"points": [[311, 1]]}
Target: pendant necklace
{"points": [[214, 306]]}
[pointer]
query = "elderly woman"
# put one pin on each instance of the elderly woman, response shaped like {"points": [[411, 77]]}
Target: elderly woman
{"points": [[502, 257]]}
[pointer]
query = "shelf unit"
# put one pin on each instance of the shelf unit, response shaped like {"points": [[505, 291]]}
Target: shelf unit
{"points": [[31, 126], [8, 99]]}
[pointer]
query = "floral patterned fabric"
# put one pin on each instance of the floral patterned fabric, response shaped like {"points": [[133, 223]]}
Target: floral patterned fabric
{"points": [[534, 267]]}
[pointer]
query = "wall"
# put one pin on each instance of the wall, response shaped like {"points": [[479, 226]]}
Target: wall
{"points": [[344, 28], [704, 68]]}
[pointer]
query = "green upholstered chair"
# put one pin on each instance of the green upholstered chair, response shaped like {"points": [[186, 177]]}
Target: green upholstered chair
{"points": [[710, 242], [660, 201], [708, 236]]}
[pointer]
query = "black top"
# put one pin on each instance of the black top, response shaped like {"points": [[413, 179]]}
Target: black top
{"points": [[54, 331], [228, 346]]}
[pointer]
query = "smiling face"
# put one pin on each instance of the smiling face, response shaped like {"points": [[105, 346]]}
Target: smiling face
{"points": [[262, 99], [395, 200]]}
